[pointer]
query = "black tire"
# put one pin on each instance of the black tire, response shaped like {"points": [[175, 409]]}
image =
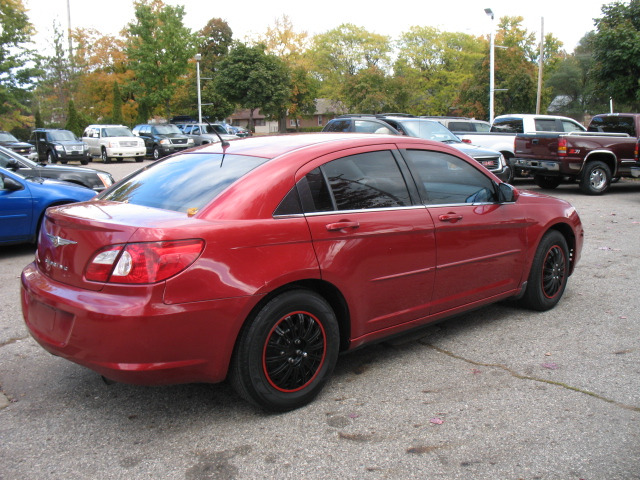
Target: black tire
{"points": [[512, 170], [51, 157], [64, 162], [549, 273], [595, 178], [84, 162], [547, 182], [286, 352], [155, 153], [105, 158]]}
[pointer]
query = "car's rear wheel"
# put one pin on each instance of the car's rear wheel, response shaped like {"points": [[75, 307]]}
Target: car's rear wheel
{"points": [[105, 157], [595, 178], [286, 352], [549, 273], [547, 182]]}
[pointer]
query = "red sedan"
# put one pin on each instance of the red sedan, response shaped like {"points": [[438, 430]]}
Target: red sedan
{"points": [[263, 258]]}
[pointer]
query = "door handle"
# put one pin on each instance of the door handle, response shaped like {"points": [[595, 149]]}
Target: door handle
{"points": [[342, 225], [450, 217]]}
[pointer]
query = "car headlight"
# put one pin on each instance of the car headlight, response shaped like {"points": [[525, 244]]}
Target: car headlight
{"points": [[59, 148], [85, 147], [106, 179], [165, 141], [189, 141]]}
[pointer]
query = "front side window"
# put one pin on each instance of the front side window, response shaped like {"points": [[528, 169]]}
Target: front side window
{"points": [[447, 179], [358, 182], [366, 126], [568, 126]]}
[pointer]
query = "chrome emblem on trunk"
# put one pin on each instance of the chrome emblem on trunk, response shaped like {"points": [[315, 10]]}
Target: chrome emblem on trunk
{"points": [[59, 241]]}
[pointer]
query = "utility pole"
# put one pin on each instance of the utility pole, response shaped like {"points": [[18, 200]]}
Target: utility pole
{"points": [[540, 63]]}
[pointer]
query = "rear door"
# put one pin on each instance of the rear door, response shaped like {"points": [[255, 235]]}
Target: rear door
{"points": [[371, 238], [480, 242]]}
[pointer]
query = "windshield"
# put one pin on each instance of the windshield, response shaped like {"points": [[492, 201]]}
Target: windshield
{"points": [[7, 137], [7, 155], [166, 130], [62, 136], [428, 130], [184, 183], [116, 132]]}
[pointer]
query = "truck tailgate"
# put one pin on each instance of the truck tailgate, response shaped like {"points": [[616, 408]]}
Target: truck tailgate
{"points": [[536, 145]]}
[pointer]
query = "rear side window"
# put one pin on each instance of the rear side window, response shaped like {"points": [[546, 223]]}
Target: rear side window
{"points": [[508, 125], [358, 182], [613, 124], [446, 179], [338, 126], [184, 183]]}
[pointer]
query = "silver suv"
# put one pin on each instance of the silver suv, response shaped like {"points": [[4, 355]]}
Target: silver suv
{"points": [[203, 133]]}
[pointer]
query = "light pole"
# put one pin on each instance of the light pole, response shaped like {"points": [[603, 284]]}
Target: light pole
{"points": [[489, 12], [198, 57]]}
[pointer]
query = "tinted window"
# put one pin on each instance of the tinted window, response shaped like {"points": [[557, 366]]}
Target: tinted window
{"points": [[338, 126], [461, 127], [367, 180], [447, 179], [184, 182], [507, 125], [427, 129], [613, 124]]}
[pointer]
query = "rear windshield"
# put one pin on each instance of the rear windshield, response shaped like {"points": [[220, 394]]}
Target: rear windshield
{"points": [[183, 183], [613, 124]]}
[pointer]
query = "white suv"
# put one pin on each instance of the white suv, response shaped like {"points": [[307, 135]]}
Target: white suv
{"points": [[113, 141]]}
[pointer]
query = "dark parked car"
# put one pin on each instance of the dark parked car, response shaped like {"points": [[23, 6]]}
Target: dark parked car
{"points": [[401, 124], [97, 180], [162, 139], [261, 260], [9, 141], [53, 145], [23, 202]]}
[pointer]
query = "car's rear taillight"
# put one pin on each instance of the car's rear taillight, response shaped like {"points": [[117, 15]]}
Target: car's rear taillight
{"points": [[562, 147], [636, 153], [147, 262]]}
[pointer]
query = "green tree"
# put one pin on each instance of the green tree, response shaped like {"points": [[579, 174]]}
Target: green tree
{"points": [[16, 79], [116, 116], [437, 64], [159, 48], [616, 49], [74, 123], [252, 79], [340, 54]]}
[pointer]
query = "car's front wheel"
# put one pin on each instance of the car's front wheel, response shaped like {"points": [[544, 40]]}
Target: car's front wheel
{"points": [[105, 157], [51, 157], [286, 352], [549, 273], [155, 152]]}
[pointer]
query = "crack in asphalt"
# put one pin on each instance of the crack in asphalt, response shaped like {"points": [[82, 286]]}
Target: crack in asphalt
{"points": [[13, 340], [529, 377]]}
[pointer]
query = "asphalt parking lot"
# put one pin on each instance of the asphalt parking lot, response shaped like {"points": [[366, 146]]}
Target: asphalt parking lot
{"points": [[499, 393]]}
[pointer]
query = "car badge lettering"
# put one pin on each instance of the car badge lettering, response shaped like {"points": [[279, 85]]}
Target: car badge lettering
{"points": [[50, 263], [59, 241]]}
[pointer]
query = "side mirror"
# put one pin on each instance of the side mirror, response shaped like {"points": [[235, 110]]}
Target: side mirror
{"points": [[12, 165], [507, 193], [10, 184]]}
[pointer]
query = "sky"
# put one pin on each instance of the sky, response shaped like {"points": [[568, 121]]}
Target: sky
{"points": [[567, 20]]}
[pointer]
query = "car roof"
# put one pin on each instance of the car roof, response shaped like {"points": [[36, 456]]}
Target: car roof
{"points": [[273, 146]]}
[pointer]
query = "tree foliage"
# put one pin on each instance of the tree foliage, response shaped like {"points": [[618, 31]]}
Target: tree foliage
{"points": [[253, 79], [616, 50], [159, 48], [16, 79]]}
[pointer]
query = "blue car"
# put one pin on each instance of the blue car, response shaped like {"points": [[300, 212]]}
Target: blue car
{"points": [[23, 202]]}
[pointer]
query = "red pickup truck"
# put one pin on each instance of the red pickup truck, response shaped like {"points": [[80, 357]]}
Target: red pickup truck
{"points": [[607, 151]]}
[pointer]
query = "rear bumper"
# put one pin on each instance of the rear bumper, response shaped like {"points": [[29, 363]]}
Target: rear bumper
{"points": [[132, 336], [537, 165]]}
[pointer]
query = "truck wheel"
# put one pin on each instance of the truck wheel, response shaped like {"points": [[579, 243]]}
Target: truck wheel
{"points": [[84, 162], [595, 178], [549, 273], [547, 182], [155, 152], [105, 158], [51, 158], [286, 353]]}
